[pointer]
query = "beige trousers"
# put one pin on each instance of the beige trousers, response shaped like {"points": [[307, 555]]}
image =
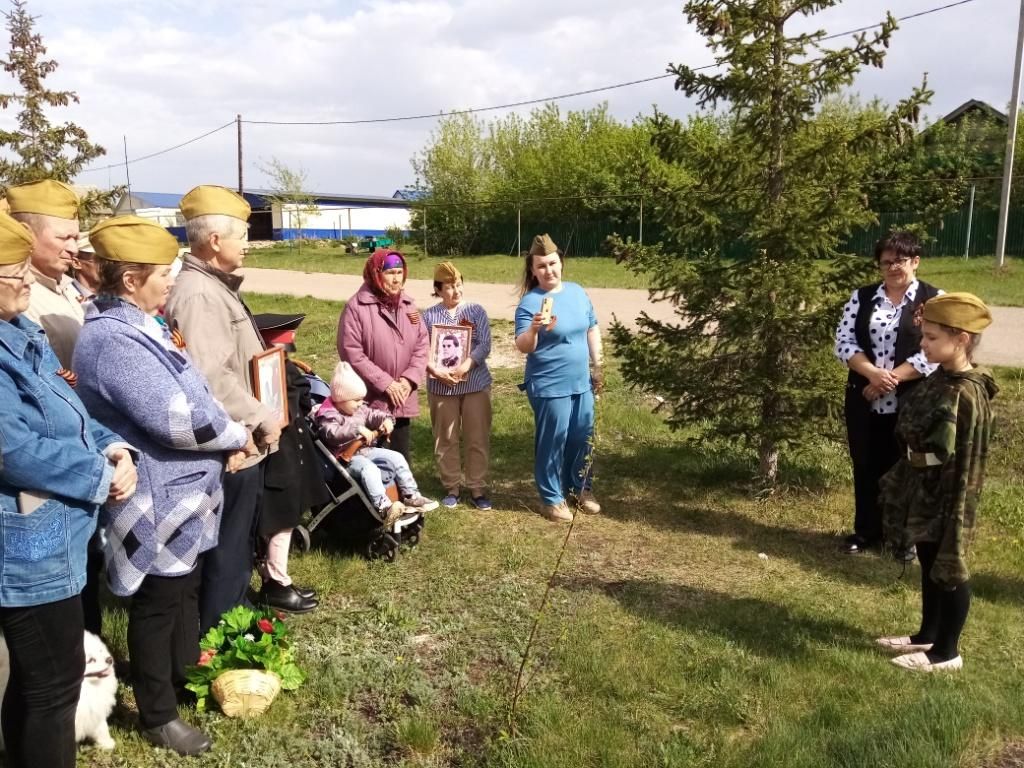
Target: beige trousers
{"points": [[456, 416]]}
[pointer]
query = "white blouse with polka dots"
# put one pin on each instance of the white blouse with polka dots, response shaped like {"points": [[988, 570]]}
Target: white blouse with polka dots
{"points": [[884, 323]]}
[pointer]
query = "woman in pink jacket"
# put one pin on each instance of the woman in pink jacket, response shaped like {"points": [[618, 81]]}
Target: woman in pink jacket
{"points": [[381, 335]]}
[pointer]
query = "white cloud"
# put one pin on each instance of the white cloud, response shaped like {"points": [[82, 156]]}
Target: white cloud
{"points": [[162, 73]]}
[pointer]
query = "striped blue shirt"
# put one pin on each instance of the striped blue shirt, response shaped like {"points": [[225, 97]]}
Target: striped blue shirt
{"points": [[479, 377]]}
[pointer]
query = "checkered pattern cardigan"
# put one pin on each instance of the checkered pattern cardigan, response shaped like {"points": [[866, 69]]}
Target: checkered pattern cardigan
{"points": [[131, 375]]}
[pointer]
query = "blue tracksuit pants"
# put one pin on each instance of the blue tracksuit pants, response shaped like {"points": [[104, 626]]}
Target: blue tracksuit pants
{"points": [[564, 427]]}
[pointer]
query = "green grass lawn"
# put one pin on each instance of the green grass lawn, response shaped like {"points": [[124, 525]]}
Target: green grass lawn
{"points": [[669, 640], [978, 275]]}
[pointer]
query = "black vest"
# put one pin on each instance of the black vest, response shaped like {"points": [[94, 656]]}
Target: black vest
{"points": [[908, 335]]}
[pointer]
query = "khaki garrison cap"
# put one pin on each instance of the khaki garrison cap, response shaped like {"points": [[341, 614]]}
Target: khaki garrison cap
{"points": [[133, 240], [48, 197], [16, 241], [208, 199], [446, 272], [543, 246], [958, 310]]}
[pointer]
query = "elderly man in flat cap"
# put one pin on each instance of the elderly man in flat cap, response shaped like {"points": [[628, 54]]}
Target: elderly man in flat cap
{"points": [[50, 209], [206, 308]]}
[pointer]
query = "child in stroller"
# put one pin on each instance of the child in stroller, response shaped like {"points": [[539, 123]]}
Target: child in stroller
{"points": [[344, 421]]}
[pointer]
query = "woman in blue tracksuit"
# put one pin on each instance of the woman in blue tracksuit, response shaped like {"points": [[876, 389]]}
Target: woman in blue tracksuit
{"points": [[563, 372], [57, 465]]}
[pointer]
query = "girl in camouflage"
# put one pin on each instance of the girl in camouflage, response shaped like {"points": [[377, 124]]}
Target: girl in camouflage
{"points": [[930, 497]]}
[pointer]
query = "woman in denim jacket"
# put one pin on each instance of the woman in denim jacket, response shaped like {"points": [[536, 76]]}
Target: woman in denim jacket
{"points": [[57, 466], [155, 540]]}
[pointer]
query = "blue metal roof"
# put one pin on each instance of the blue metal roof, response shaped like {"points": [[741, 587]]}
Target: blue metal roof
{"points": [[158, 199]]}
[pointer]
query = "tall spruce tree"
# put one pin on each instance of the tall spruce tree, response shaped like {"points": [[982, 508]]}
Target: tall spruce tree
{"points": [[750, 257], [36, 149]]}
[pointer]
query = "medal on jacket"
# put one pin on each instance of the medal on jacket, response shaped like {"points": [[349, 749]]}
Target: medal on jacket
{"points": [[68, 376], [414, 317]]}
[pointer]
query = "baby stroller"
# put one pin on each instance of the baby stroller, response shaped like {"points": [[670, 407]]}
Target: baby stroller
{"points": [[359, 521]]}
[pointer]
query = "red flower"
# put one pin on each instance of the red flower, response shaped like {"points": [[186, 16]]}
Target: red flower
{"points": [[206, 656], [265, 626]]}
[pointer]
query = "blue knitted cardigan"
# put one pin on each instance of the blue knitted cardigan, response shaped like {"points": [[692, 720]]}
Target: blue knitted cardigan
{"points": [[134, 381]]}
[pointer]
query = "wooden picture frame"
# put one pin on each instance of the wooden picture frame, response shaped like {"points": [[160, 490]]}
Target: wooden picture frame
{"points": [[270, 382], [446, 355]]}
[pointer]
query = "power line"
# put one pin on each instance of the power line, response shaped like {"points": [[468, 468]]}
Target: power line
{"points": [[160, 152], [474, 110], [543, 100]]}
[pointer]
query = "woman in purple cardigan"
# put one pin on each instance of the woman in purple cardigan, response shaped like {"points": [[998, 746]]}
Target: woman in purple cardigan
{"points": [[132, 374], [382, 336]]}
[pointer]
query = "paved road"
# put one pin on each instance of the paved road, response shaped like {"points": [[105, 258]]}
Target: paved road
{"points": [[1003, 343]]}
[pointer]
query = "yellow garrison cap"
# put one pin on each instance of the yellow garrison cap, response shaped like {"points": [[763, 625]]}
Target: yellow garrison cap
{"points": [[543, 246], [134, 240], [16, 240], [209, 199], [446, 272], [958, 310], [48, 197]]}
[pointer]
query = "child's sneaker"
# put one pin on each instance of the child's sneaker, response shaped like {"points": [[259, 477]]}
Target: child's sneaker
{"points": [[390, 515], [451, 501], [422, 503]]}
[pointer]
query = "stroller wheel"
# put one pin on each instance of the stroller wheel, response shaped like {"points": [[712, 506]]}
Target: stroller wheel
{"points": [[383, 547], [412, 538], [300, 539]]}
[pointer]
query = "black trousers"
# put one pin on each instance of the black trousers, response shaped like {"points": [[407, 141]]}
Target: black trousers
{"points": [[401, 437], [873, 451], [943, 611], [93, 614], [47, 666], [163, 640], [227, 569]]}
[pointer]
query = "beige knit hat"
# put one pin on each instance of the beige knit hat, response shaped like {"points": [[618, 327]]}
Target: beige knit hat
{"points": [[346, 384]]}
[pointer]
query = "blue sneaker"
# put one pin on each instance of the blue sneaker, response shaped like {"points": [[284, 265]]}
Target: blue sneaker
{"points": [[451, 501], [481, 502]]}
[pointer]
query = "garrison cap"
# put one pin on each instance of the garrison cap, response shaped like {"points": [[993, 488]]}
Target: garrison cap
{"points": [[543, 246], [48, 197], [446, 272], [209, 199], [16, 241], [958, 310], [133, 240]]}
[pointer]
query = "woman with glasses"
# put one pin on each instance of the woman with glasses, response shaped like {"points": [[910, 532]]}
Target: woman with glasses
{"points": [[57, 466], [880, 342]]}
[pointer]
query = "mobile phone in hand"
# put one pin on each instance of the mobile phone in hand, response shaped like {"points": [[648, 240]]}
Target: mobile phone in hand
{"points": [[545, 309]]}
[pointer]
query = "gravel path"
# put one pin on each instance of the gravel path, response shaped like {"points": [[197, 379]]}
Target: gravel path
{"points": [[1003, 343]]}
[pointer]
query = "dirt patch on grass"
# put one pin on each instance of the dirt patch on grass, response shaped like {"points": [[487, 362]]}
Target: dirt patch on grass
{"points": [[1010, 756]]}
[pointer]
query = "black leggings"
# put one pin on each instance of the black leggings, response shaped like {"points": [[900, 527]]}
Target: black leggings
{"points": [[943, 611]]}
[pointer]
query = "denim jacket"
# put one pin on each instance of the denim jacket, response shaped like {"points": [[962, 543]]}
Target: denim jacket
{"points": [[53, 474]]}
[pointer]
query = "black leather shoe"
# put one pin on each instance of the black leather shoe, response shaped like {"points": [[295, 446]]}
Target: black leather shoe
{"points": [[904, 554], [285, 598], [179, 736], [307, 592]]}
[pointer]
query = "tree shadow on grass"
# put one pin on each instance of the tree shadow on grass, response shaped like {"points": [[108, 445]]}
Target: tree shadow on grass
{"points": [[762, 627]]}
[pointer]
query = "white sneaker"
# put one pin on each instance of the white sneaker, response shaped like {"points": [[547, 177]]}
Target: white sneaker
{"points": [[919, 663], [587, 503], [558, 512], [902, 644]]}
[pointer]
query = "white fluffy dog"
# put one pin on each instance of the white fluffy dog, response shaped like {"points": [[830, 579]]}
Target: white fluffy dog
{"points": [[99, 692]]}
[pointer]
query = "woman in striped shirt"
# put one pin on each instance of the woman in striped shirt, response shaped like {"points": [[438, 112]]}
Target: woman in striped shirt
{"points": [[460, 397]]}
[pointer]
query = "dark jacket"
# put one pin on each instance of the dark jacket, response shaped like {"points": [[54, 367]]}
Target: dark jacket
{"points": [[294, 481]]}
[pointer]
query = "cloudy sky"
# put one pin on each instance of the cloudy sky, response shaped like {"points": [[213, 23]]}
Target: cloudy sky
{"points": [[161, 73]]}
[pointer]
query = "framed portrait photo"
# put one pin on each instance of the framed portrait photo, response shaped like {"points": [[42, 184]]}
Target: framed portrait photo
{"points": [[449, 346], [269, 384]]}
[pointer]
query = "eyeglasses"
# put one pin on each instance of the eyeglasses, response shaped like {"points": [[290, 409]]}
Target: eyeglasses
{"points": [[898, 263], [22, 279]]}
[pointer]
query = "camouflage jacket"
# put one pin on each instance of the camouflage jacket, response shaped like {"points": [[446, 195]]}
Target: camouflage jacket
{"points": [[932, 493]]}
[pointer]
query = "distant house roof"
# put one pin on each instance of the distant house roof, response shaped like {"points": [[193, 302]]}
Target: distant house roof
{"points": [[975, 107], [149, 200], [258, 199], [410, 194]]}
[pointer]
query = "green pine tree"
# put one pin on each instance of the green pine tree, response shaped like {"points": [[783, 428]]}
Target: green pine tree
{"points": [[755, 200], [35, 149]]}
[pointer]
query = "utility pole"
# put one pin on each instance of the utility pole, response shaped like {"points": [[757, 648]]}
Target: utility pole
{"points": [[1011, 141], [238, 122]]}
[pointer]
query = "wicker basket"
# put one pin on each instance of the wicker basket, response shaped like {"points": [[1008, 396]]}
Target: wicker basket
{"points": [[245, 692]]}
